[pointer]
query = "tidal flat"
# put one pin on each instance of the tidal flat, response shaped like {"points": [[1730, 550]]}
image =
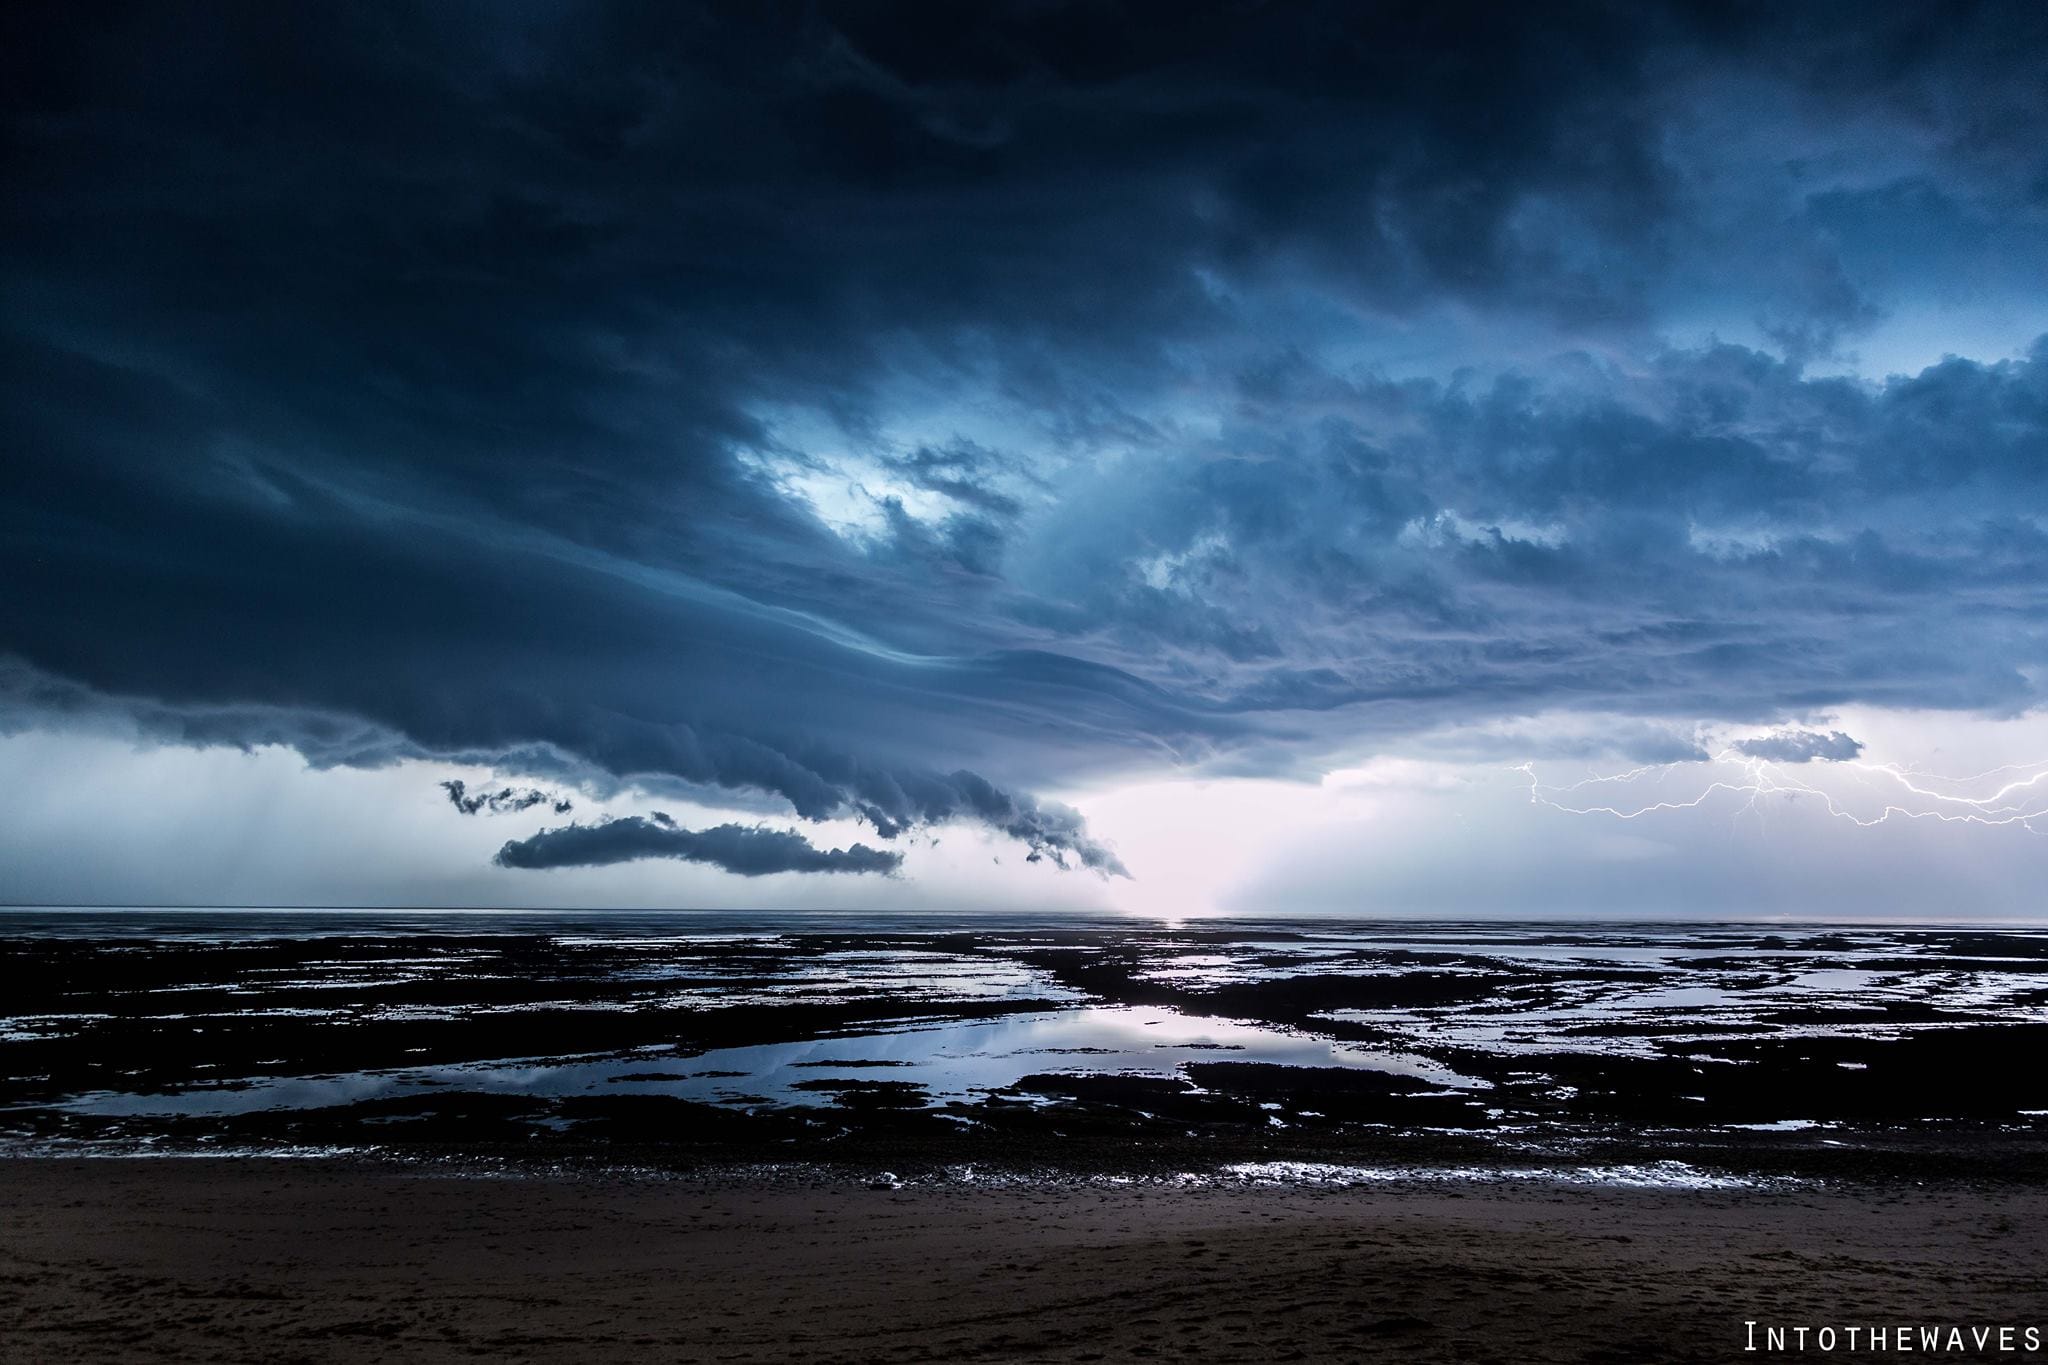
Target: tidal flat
{"points": [[1032, 1049]]}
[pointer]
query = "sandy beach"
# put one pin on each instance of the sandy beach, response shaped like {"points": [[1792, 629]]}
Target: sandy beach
{"points": [[225, 1260]]}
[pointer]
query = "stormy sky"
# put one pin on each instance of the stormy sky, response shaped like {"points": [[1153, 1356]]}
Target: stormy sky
{"points": [[1172, 458]]}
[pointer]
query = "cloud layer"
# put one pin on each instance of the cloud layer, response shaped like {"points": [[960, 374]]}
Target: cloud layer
{"points": [[503, 801], [890, 413], [1801, 746], [748, 852]]}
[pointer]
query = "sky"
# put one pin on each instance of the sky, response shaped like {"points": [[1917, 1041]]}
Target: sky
{"points": [[1217, 458]]}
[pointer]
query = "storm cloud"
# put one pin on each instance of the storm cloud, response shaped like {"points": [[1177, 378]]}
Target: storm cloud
{"points": [[748, 852], [503, 801], [1801, 746], [895, 412]]}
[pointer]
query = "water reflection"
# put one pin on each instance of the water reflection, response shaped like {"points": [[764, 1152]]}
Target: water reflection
{"points": [[936, 1061]]}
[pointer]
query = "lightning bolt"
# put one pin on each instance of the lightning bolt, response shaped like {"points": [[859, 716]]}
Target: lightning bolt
{"points": [[1903, 793]]}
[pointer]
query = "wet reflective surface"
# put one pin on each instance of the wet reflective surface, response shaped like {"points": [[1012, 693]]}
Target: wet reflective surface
{"points": [[917, 1063], [1043, 1041]]}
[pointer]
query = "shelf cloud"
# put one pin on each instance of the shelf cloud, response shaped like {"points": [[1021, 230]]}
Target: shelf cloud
{"points": [[866, 412]]}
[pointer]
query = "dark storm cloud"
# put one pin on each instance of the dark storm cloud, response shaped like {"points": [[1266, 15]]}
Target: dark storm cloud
{"points": [[1719, 534], [1802, 746], [504, 801], [748, 852], [886, 410]]}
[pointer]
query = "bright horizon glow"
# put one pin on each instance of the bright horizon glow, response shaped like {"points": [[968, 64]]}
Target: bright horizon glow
{"points": [[1198, 847]]}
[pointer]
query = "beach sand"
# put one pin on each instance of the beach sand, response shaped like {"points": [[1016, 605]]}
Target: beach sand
{"points": [[233, 1259]]}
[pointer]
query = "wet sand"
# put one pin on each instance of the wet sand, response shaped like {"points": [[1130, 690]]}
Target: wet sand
{"points": [[227, 1260]]}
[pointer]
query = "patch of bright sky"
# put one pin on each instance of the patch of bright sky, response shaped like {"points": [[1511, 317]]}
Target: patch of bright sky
{"points": [[1905, 341], [846, 478], [1911, 338], [1457, 834], [263, 828], [1445, 827]]}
